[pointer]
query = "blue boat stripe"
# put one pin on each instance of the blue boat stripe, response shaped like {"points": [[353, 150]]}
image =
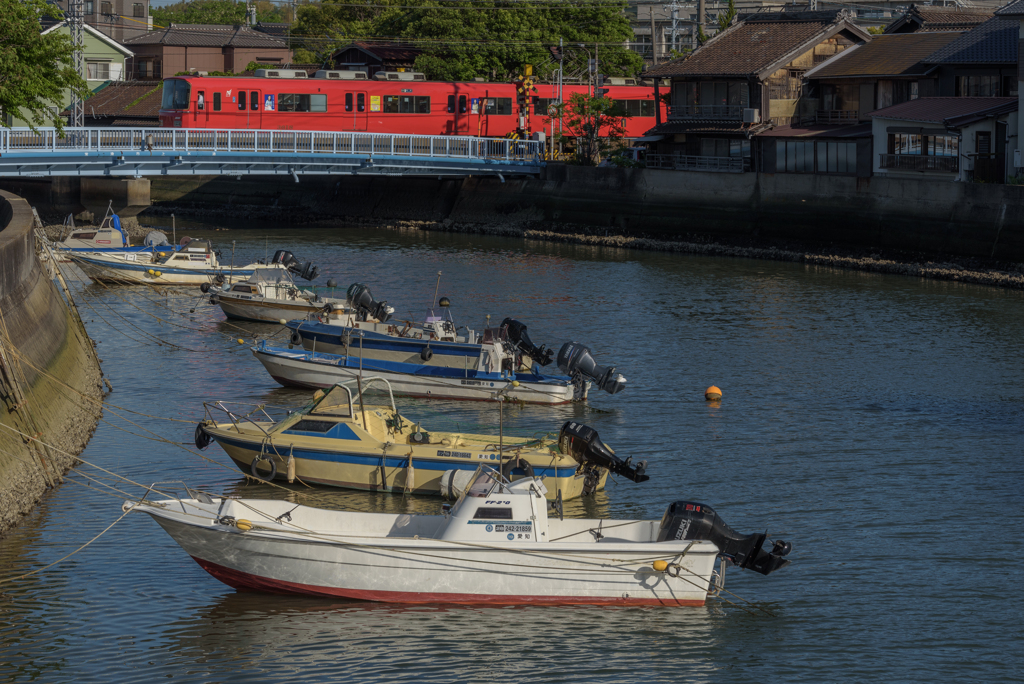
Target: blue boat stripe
{"points": [[389, 462], [135, 266]]}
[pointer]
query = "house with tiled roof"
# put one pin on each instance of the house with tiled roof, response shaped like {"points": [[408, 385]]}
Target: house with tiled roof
{"points": [[887, 71], [742, 81], [1015, 12], [928, 18], [134, 104], [374, 57], [981, 62], [203, 47], [946, 138]]}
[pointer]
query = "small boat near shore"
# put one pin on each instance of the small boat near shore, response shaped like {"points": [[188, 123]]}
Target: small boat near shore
{"points": [[341, 439], [108, 238], [271, 294], [194, 263], [496, 545]]}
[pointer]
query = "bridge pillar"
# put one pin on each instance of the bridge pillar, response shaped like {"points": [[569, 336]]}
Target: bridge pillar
{"points": [[129, 195]]}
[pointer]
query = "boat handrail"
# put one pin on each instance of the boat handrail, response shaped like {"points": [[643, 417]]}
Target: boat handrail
{"points": [[366, 382], [220, 405]]}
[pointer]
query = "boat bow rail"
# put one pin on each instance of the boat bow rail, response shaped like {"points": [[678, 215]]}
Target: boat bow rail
{"points": [[167, 151]]}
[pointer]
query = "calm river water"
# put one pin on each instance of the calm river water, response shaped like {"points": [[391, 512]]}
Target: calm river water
{"points": [[874, 421]]}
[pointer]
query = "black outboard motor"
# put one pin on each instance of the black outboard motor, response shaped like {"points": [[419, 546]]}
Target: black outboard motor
{"points": [[361, 299], [518, 336], [575, 358], [583, 444], [689, 521], [306, 270]]}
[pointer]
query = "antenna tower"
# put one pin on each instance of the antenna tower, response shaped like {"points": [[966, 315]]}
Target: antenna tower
{"points": [[76, 25]]}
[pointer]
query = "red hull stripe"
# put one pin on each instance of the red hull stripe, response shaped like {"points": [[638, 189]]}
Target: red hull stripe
{"points": [[246, 582]]}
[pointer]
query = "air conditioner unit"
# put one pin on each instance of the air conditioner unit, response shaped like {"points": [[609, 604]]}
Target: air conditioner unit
{"points": [[751, 116], [281, 73], [341, 75], [400, 76]]}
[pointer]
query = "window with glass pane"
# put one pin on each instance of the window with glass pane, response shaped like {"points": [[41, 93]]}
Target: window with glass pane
{"points": [[216, 102], [348, 102], [138, 9], [98, 71], [90, 7], [318, 103], [241, 100], [254, 101], [502, 106], [105, 8], [361, 102]]}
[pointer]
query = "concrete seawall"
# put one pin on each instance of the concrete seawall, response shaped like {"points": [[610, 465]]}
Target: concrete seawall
{"points": [[48, 371], [959, 219]]}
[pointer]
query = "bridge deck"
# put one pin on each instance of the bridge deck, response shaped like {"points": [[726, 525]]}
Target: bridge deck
{"points": [[167, 151]]}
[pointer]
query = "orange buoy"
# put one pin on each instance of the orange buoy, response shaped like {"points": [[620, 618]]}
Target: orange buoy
{"points": [[713, 393]]}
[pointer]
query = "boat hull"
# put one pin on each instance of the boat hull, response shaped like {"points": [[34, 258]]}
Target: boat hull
{"points": [[412, 469], [345, 341], [405, 570], [122, 269], [315, 371], [268, 310]]}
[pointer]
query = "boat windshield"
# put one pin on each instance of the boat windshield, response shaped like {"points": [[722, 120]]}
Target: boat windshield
{"points": [[337, 402], [482, 483]]}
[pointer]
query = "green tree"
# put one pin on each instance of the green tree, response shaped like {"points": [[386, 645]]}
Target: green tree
{"points": [[876, 30], [725, 18], [596, 125], [36, 71], [481, 38], [213, 12], [701, 36]]}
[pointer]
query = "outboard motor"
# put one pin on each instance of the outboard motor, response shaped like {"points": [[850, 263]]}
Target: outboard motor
{"points": [[575, 358], [156, 238], [689, 521], [306, 271], [361, 299], [583, 444], [518, 336]]}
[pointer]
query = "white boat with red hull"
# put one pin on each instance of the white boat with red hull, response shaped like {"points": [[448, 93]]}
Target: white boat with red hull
{"points": [[497, 545]]}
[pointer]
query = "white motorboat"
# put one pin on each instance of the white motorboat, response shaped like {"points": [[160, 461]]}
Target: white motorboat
{"points": [[194, 263], [366, 332], [314, 370], [497, 545], [271, 294], [109, 238]]}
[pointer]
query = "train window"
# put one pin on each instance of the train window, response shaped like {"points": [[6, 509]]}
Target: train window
{"points": [[462, 104], [241, 100], [176, 94], [406, 104], [254, 101], [636, 107], [541, 104], [201, 100], [216, 102], [348, 102], [318, 103], [361, 102], [451, 104], [500, 106]]}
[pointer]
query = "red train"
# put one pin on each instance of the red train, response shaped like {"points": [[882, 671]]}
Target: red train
{"points": [[332, 101]]}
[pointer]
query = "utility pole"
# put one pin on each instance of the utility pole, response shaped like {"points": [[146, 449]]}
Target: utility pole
{"points": [[654, 37], [250, 12], [76, 26], [702, 11], [674, 7]]}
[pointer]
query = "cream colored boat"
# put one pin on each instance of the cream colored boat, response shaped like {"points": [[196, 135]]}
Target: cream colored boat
{"points": [[342, 440]]}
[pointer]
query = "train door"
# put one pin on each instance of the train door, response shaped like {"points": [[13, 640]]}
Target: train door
{"points": [[254, 109], [458, 115], [359, 107], [200, 110]]}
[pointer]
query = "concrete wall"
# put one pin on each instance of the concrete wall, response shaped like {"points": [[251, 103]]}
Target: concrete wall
{"points": [[48, 371], [962, 219]]}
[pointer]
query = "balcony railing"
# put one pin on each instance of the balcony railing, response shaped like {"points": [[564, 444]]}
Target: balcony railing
{"points": [[836, 116], [919, 162], [712, 112], [683, 162]]}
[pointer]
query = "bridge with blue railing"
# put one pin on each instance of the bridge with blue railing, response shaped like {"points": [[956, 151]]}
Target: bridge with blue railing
{"points": [[139, 152]]}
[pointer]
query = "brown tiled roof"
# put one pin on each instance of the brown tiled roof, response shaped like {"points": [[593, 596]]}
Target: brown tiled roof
{"points": [[756, 43], [819, 131], [706, 127], [207, 35], [899, 54], [942, 109], [918, 19], [126, 98]]}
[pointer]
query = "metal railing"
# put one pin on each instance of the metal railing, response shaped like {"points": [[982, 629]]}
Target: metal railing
{"points": [[918, 162], [685, 162], [713, 112], [17, 140], [836, 116]]}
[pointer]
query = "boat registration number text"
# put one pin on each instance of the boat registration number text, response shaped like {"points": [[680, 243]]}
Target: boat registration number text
{"points": [[513, 528]]}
